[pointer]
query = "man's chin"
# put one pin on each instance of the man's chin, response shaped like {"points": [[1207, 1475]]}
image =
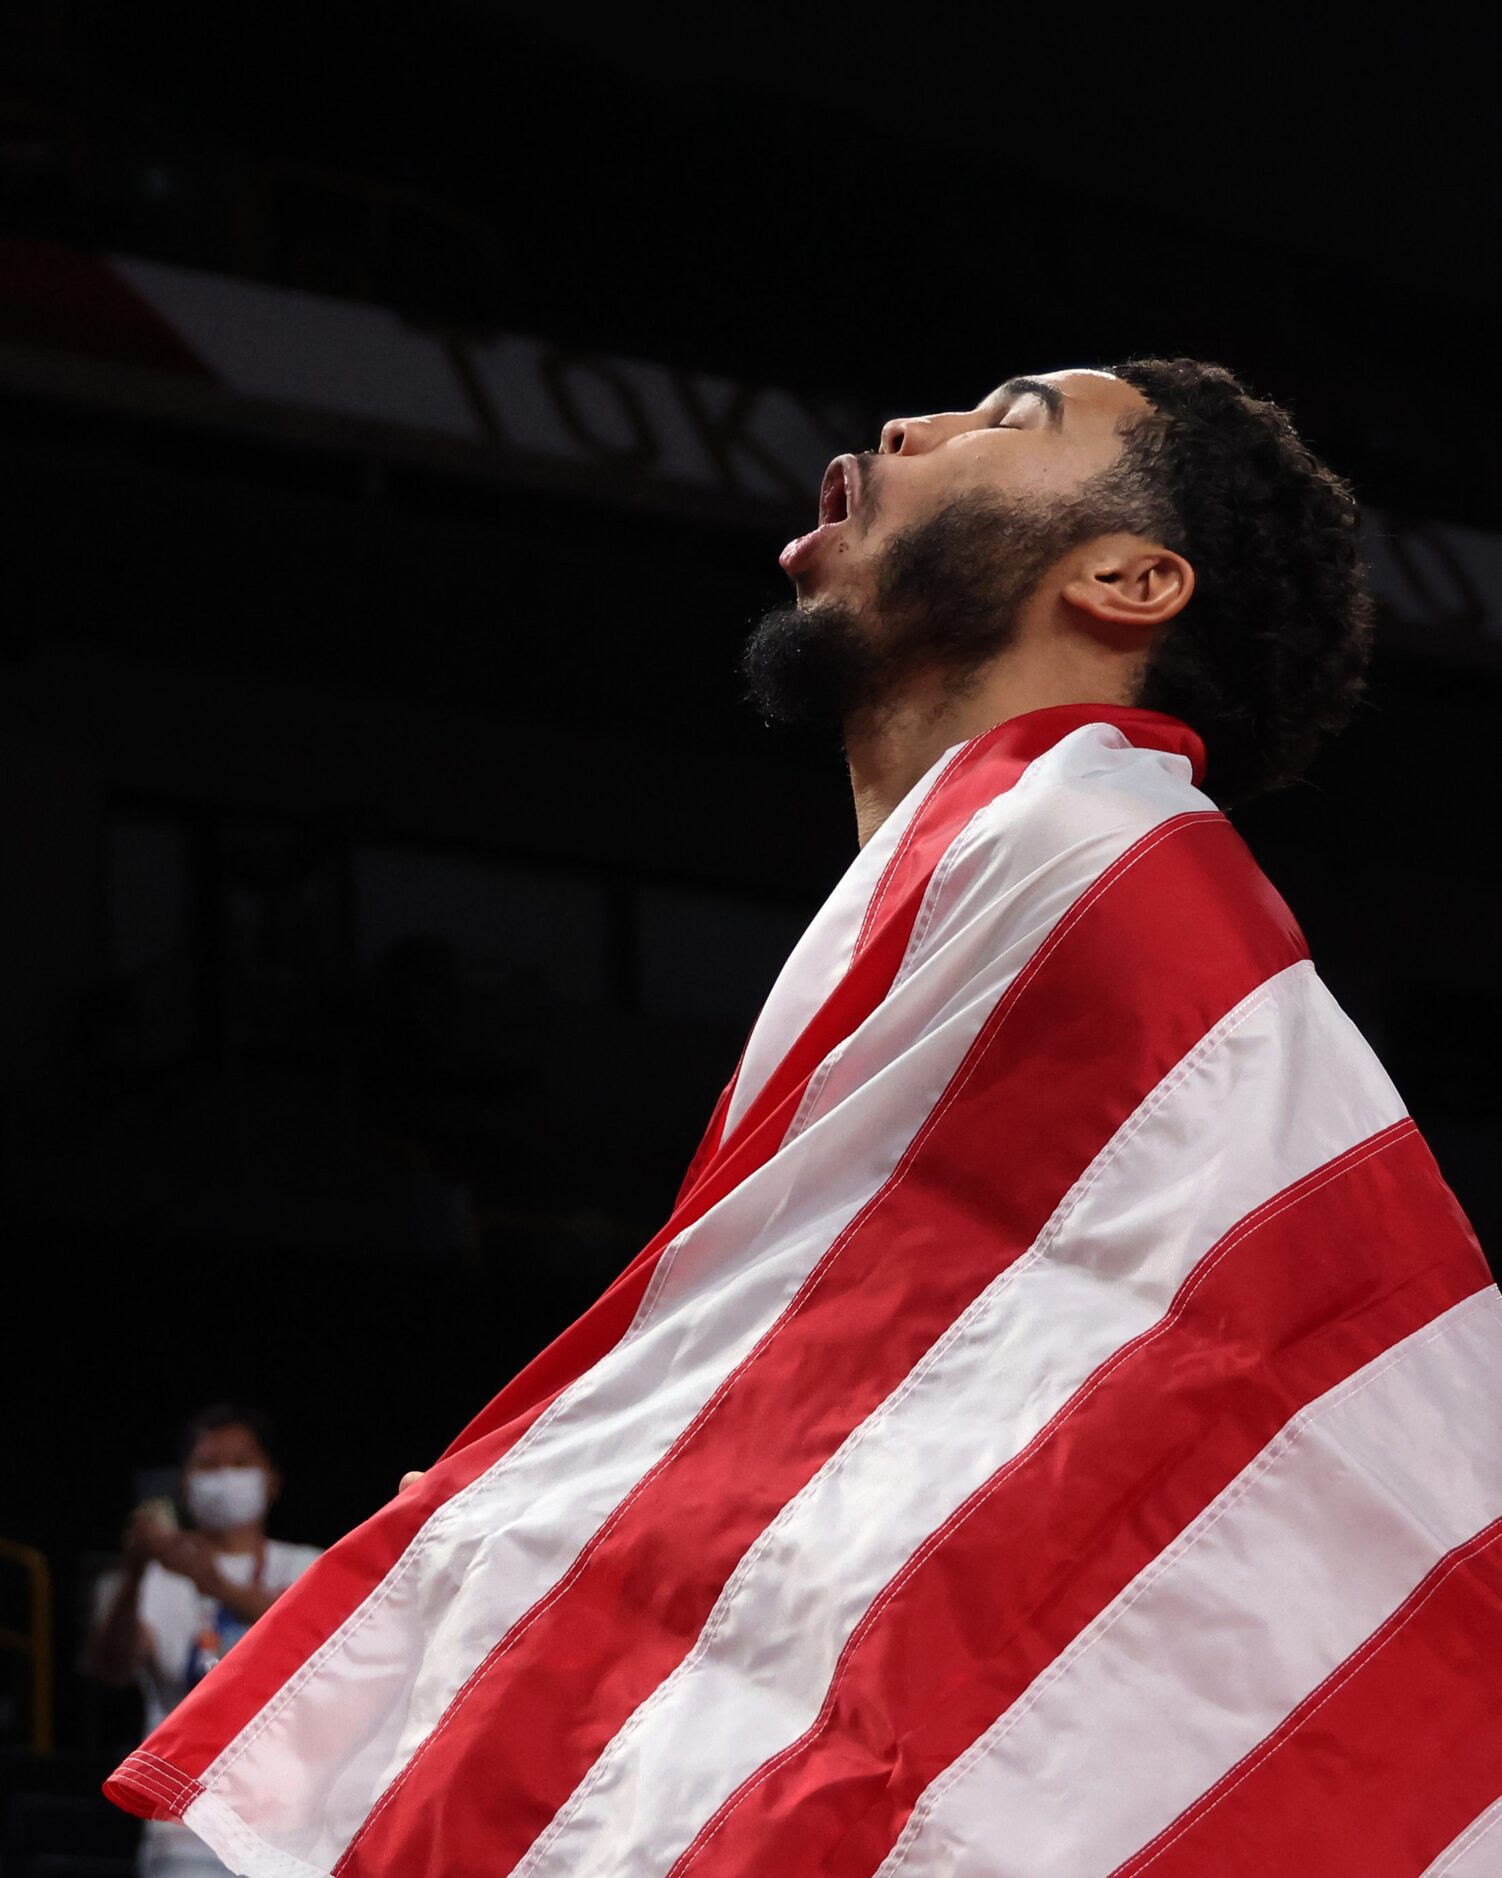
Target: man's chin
{"points": [[809, 664]]}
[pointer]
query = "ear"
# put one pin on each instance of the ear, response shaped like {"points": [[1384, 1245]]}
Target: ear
{"points": [[1127, 585]]}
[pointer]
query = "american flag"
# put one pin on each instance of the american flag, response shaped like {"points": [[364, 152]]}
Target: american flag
{"points": [[1058, 1431]]}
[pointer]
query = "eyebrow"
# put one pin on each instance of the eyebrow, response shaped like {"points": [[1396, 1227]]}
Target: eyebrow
{"points": [[1034, 387]]}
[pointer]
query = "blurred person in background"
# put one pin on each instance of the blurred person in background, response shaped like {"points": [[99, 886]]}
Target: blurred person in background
{"points": [[195, 1575]]}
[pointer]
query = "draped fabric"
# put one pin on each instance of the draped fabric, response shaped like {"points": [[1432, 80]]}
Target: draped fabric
{"points": [[1058, 1431]]}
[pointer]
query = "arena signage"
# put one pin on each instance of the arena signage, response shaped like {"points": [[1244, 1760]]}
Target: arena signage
{"points": [[492, 403]]}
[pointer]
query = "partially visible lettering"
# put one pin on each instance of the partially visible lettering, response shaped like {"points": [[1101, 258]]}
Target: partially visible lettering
{"points": [[599, 409], [723, 414], [761, 444]]}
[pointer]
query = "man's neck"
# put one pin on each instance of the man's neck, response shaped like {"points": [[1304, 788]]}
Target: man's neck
{"points": [[889, 752]]}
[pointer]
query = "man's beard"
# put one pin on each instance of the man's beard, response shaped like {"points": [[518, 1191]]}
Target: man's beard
{"points": [[948, 596]]}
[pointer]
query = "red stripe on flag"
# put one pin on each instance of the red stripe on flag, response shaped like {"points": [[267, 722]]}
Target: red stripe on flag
{"points": [[1167, 940], [1383, 1765], [1275, 1314], [714, 1135]]}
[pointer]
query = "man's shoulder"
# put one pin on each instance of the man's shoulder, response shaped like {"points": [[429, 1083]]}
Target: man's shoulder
{"points": [[1082, 810], [1124, 834], [1099, 768]]}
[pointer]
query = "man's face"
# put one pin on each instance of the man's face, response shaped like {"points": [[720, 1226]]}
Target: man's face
{"points": [[928, 547], [1030, 440]]}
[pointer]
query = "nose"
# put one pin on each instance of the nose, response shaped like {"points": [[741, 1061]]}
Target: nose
{"points": [[906, 436]]}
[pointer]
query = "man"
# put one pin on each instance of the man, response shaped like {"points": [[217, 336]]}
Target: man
{"points": [[1057, 1430], [183, 1596]]}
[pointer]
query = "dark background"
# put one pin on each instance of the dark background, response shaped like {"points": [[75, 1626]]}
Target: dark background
{"points": [[392, 865]]}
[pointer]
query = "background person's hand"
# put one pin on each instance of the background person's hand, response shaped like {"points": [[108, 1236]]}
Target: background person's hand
{"points": [[192, 1557], [410, 1480], [144, 1537]]}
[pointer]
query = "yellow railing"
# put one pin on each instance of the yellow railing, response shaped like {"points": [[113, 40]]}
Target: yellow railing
{"points": [[34, 1642]]}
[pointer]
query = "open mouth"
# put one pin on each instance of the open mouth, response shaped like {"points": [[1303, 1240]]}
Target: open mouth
{"points": [[837, 494]]}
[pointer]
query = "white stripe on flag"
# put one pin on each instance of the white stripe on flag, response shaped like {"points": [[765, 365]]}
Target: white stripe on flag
{"points": [[1474, 1853], [1208, 1649], [820, 959], [309, 1765], [1280, 1086]]}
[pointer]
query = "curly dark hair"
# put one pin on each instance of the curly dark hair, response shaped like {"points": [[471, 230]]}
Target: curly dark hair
{"points": [[1268, 658]]}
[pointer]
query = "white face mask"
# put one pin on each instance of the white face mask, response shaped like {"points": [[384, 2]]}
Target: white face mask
{"points": [[221, 1497]]}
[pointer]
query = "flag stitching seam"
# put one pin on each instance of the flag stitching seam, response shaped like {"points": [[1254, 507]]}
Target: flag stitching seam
{"points": [[160, 1779], [813, 1091], [968, 838], [654, 1286]]}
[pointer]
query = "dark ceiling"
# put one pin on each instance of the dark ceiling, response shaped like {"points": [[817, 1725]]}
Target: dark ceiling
{"points": [[1370, 143], [905, 213]]}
